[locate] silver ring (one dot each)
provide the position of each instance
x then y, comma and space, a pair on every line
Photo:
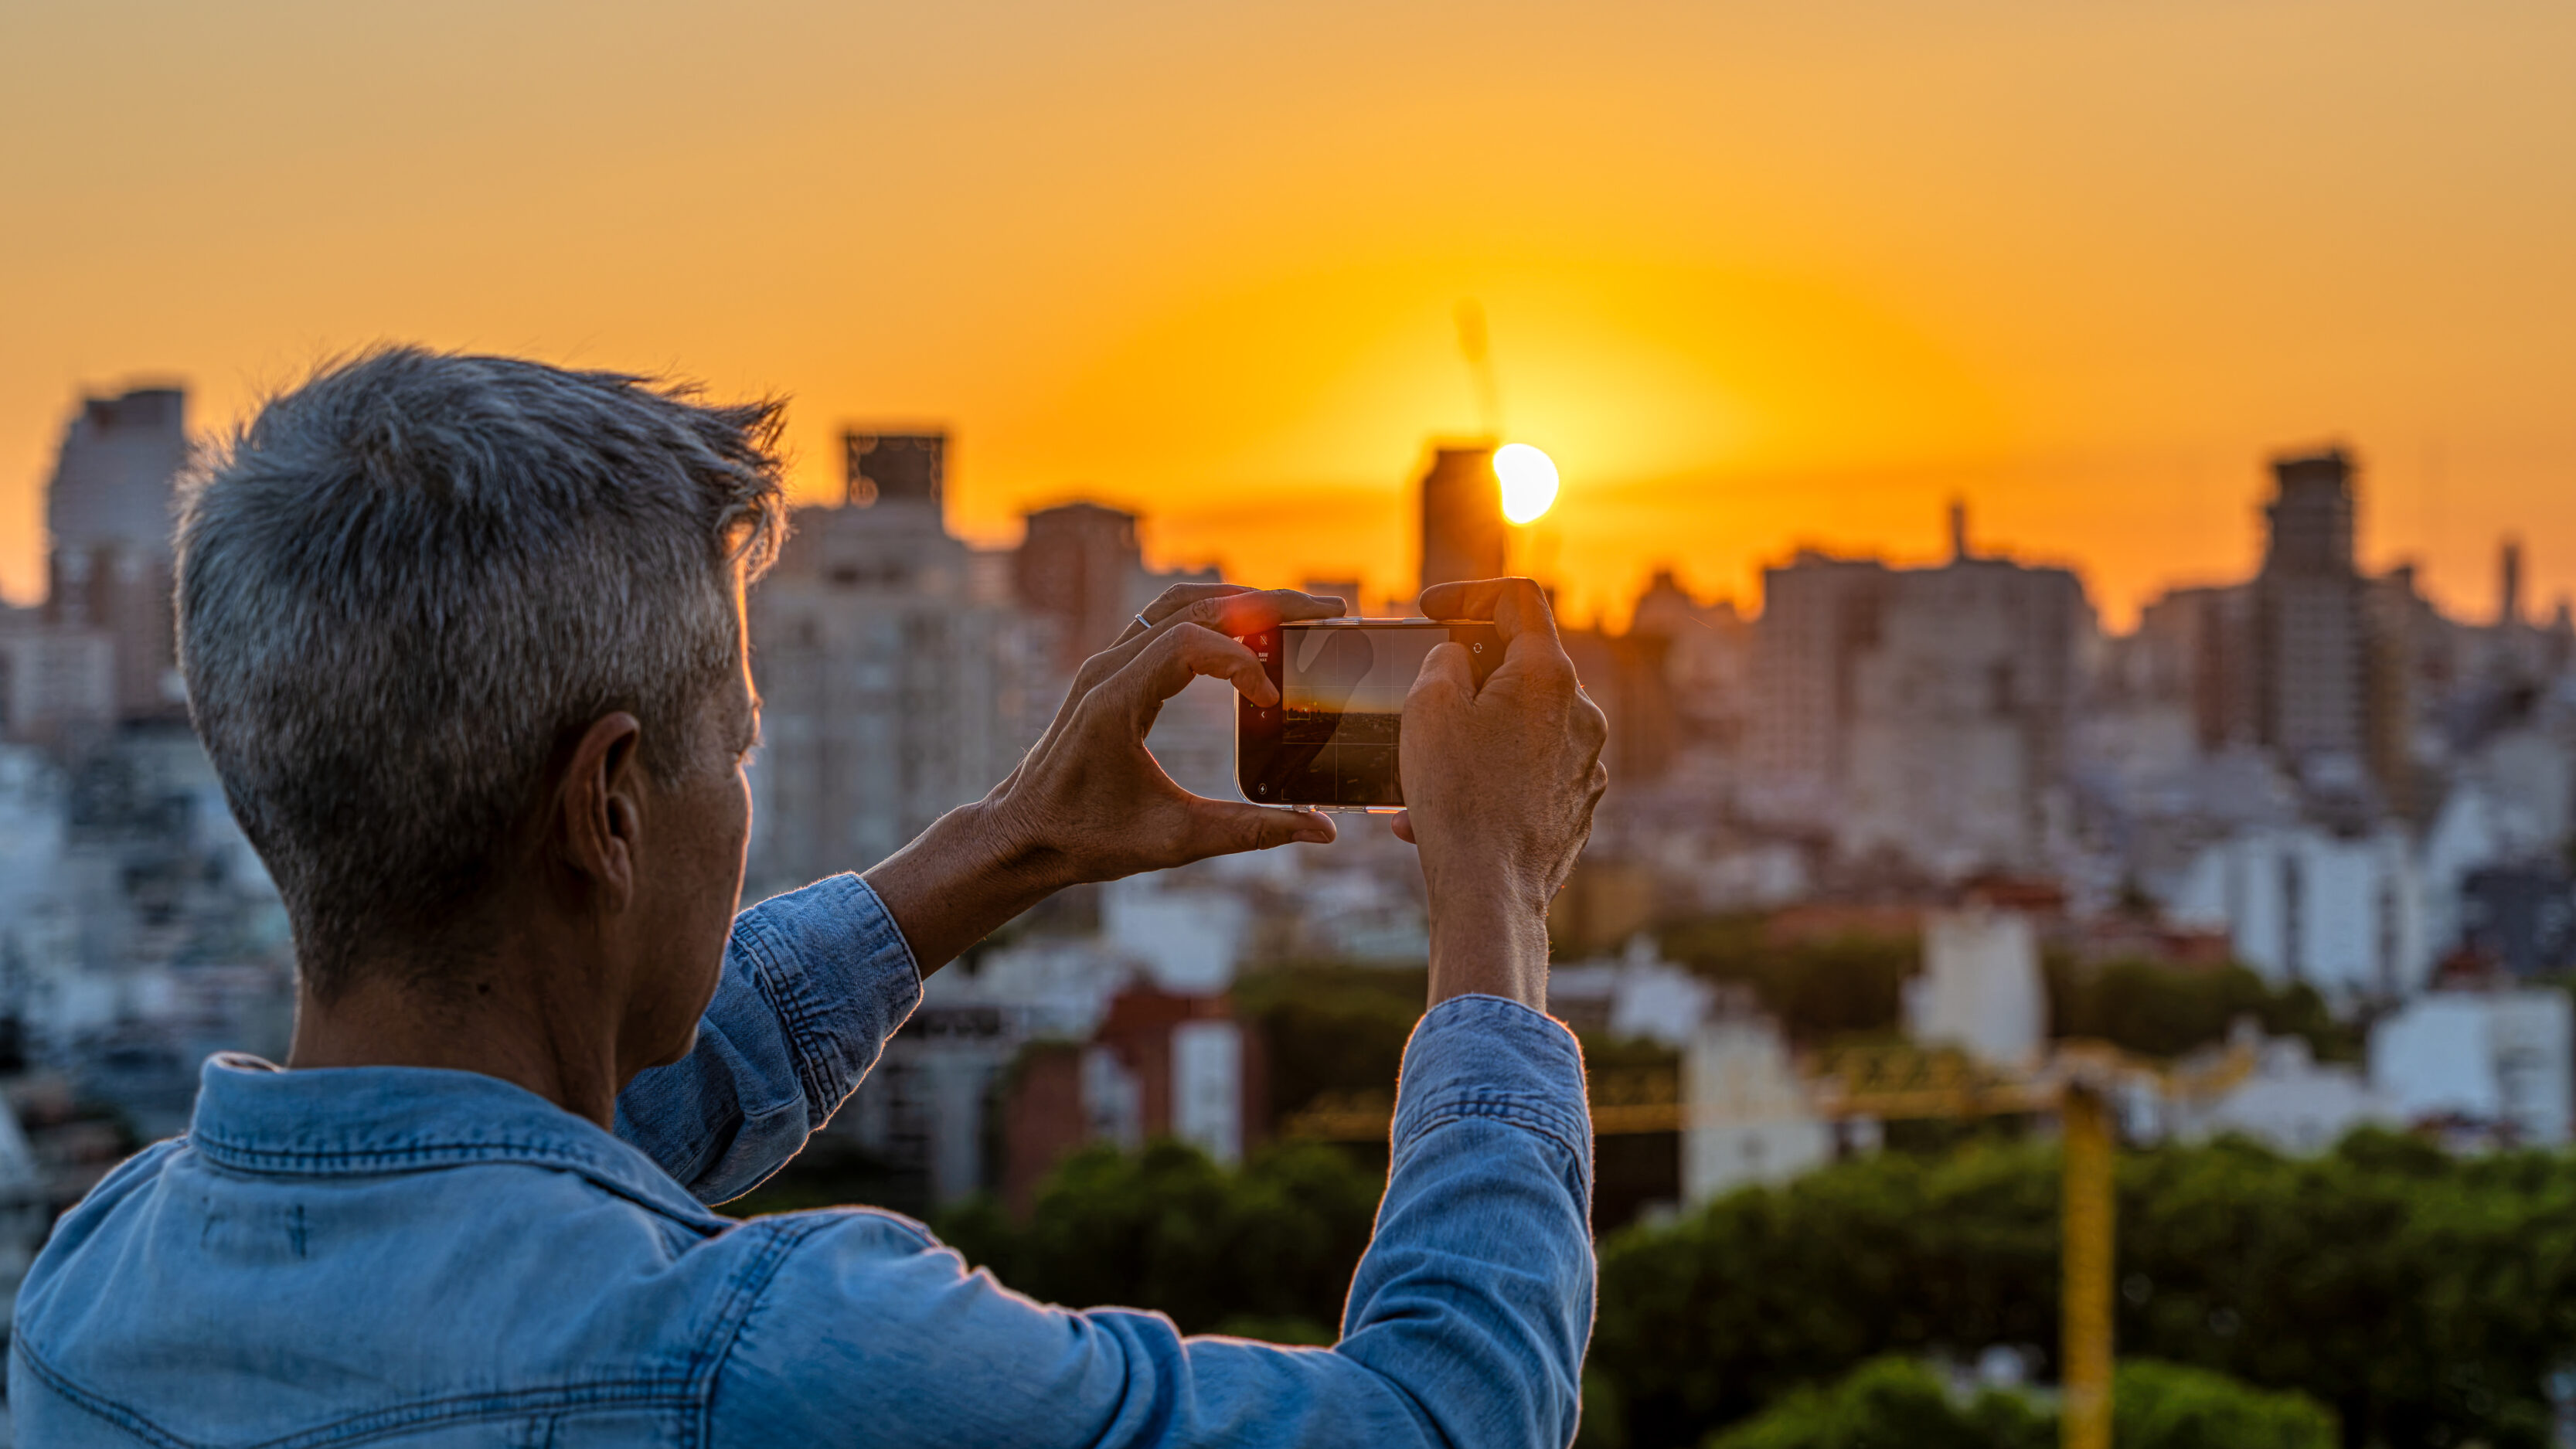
1144, 623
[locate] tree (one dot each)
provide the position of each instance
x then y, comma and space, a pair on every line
2166, 1406
1331, 1028
1854, 985
1843, 986
1894, 1403
1766, 1291
2419, 1297
1897, 1403
2158, 1010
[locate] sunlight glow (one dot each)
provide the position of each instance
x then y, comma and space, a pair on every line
1529, 481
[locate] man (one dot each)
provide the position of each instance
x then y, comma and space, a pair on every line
464, 638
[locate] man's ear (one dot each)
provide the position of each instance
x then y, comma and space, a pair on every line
599, 819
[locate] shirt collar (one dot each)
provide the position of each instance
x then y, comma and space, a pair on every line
253, 1116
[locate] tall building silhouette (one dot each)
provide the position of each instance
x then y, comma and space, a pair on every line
2309, 642
109, 511
1463, 533
894, 468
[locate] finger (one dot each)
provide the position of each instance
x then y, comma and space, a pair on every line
1445, 670
1240, 614
1591, 726
1171, 601
1520, 614
1225, 827
1222, 605
1176, 656
1402, 825
1516, 606
1235, 613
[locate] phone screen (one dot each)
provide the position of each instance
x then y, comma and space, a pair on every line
1331, 740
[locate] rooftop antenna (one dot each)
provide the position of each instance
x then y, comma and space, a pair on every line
1475, 347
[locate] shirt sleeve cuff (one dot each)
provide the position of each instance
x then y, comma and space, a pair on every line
1484, 1056
833, 965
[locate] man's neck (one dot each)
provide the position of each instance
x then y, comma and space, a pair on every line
522, 1018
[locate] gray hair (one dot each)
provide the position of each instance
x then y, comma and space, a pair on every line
410, 582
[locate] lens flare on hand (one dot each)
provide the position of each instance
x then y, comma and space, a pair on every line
1529, 481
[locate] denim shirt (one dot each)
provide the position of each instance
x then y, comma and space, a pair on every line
406, 1255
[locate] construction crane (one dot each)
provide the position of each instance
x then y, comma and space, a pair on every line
1475, 348
1901, 1083
2084, 1347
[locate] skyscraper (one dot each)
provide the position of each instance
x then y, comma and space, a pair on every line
2308, 645
1463, 533
109, 511
2397, 622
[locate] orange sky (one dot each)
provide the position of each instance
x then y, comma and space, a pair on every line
1755, 274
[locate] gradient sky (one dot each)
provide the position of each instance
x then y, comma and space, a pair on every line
1755, 275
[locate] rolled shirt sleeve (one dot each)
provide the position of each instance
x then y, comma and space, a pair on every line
814, 983
1466, 1323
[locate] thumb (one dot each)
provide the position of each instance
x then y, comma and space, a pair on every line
1444, 670
1227, 827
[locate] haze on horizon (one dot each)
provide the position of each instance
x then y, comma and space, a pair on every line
1755, 276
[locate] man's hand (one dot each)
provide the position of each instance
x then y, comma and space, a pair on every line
1089, 802
1499, 785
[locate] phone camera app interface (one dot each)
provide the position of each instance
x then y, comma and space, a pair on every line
1331, 739
1342, 697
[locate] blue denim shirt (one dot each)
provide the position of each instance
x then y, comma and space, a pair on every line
394, 1254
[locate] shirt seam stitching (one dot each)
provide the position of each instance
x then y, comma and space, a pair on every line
717, 1351
656, 1392
1545, 1123
886, 922
786, 997
604, 1176
787, 1005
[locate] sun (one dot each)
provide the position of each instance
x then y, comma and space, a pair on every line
1529, 481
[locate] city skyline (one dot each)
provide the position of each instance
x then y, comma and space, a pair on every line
1753, 279
1598, 603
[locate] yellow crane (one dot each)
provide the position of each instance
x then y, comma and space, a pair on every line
1890, 1083
2084, 1350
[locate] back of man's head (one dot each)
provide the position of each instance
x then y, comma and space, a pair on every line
408, 583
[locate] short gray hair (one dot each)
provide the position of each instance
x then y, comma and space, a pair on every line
410, 582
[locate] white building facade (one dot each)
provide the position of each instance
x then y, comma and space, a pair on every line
897, 681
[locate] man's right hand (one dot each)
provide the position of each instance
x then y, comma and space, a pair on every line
1499, 786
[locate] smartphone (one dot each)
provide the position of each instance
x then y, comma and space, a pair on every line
1330, 742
